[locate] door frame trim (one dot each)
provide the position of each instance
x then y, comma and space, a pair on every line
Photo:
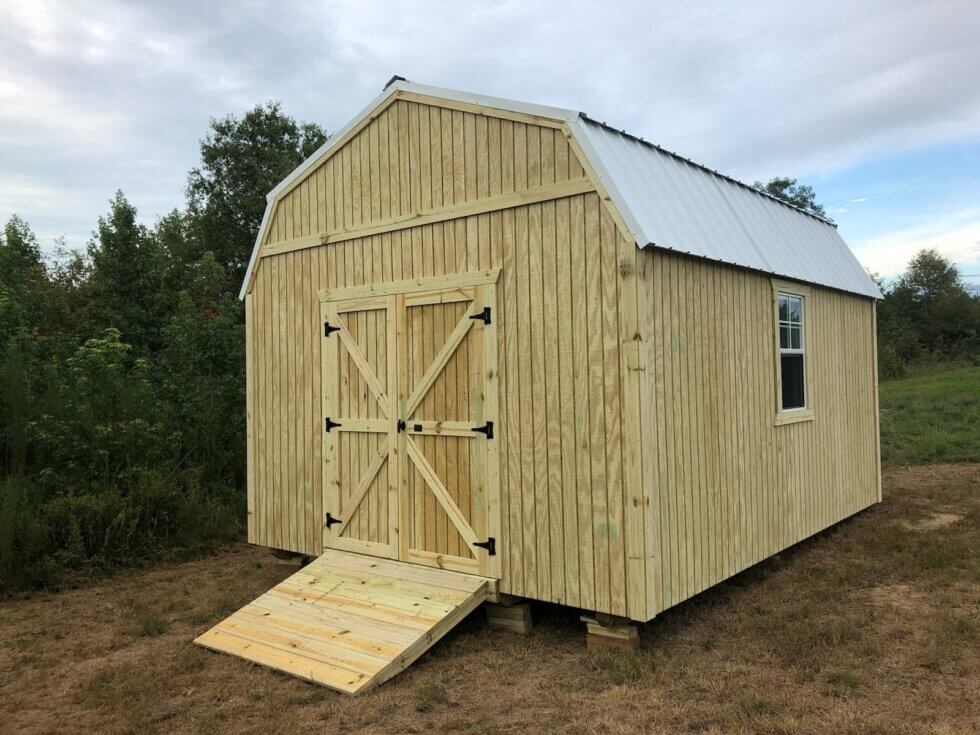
414, 285
379, 296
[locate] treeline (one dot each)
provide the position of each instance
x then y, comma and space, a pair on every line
927, 319
122, 369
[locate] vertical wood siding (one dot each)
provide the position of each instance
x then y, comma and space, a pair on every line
566, 501
639, 463
727, 487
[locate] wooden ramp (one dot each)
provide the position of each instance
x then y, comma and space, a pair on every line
348, 621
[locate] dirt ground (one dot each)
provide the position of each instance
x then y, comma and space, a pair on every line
870, 627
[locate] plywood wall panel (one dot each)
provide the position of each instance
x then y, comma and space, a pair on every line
562, 424
413, 157
730, 487
639, 463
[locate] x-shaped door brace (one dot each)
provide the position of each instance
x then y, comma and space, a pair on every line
439, 362
440, 491
423, 466
367, 479
374, 385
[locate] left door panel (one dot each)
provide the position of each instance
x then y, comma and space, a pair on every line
360, 473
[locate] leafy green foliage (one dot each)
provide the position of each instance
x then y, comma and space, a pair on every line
799, 195
23, 280
241, 160
122, 385
124, 283
927, 317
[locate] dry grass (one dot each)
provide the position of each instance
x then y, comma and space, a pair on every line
870, 627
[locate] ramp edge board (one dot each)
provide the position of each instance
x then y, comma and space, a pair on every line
349, 621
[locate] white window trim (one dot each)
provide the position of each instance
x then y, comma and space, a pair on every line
783, 416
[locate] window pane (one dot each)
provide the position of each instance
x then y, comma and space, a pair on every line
796, 334
791, 367
795, 310
783, 309
784, 337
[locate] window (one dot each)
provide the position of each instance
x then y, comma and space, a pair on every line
790, 317
792, 358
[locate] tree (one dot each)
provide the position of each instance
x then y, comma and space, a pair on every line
24, 304
789, 191
931, 299
23, 280
242, 159
201, 373
124, 285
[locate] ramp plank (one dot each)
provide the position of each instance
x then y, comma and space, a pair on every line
347, 621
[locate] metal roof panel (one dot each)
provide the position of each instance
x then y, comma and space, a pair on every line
669, 201
679, 205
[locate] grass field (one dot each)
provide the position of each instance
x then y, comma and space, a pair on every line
870, 627
932, 418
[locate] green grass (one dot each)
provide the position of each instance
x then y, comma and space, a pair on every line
931, 418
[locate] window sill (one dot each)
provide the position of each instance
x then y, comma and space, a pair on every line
792, 417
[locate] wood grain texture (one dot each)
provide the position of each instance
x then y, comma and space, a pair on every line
637, 456
729, 486
548, 523
347, 622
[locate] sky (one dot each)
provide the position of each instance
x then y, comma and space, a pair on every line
874, 104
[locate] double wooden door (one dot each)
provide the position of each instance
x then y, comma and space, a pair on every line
410, 466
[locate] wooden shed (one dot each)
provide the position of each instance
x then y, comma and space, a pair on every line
500, 349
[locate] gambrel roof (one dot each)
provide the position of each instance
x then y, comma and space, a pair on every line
665, 201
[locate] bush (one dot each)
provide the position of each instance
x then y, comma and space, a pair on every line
104, 527
107, 466
24, 536
122, 370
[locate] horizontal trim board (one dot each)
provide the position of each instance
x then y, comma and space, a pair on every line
441, 214
453, 564
415, 285
371, 426
792, 416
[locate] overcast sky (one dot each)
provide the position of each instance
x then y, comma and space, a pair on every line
876, 105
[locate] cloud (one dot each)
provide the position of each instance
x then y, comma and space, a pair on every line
956, 235
101, 94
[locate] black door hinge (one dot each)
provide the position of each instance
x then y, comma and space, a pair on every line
329, 329
328, 424
487, 429
400, 425
331, 520
483, 316
490, 545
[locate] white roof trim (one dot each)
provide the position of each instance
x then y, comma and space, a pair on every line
847, 279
